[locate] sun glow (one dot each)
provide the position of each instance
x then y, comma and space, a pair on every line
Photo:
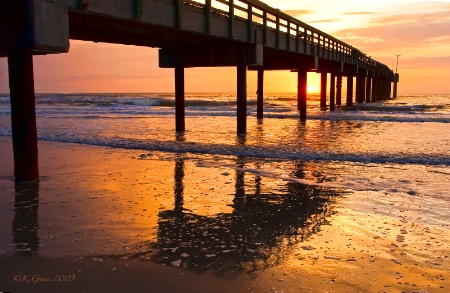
311, 89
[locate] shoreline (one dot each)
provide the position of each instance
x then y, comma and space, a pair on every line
103, 214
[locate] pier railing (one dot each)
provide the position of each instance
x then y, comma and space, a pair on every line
248, 21
284, 32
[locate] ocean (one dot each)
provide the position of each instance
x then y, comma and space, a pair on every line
410, 130
248, 204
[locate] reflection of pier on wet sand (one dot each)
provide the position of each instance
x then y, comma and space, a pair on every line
257, 234
257, 223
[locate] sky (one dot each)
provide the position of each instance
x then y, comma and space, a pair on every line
417, 31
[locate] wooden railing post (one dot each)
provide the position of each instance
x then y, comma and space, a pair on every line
231, 19
288, 36
305, 40
264, 27
208, 8
178, 13
250, 23
137, 9
277, 32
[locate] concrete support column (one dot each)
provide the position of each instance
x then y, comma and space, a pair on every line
380, 89
368, 89
388, 89
323, 91
394, 95
241, 99
332, 90
339, 89
179, 99
374, 89
260, 94
23, 116
302, 77
360, 89
349, 90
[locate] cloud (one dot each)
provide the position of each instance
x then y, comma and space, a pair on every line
435, 17
295, 13
441, 39
431, 63
95, 78
360, 13
402, 33
359, 39
325, 20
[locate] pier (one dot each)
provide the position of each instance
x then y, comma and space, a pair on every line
245, 34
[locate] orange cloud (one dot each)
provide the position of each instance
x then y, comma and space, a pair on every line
325, 20
360, 13
295, 13
400, 32
442, 39
413, 18
425, 62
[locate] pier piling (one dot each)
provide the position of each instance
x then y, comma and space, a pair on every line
332, 90
260, 94
179, 99
374, 89
360, 89
368, 89
396, 80
388, 88
302, 77
23, 116
349, 90
339, 89
241, 99
323, 91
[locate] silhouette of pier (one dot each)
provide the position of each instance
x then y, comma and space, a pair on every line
246, 34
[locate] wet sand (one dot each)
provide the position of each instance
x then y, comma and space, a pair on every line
110, 220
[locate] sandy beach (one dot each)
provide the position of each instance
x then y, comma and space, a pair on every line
64, 256
114, 220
